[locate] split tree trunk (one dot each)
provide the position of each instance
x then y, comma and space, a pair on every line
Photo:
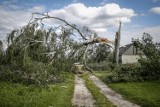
117, 45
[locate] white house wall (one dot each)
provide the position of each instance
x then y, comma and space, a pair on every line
132, 51
130, 59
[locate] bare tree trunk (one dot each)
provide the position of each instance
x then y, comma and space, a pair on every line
117, 45
84, 60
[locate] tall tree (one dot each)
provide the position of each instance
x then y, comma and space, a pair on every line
149, 65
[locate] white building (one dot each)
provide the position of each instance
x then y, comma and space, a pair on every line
129, 54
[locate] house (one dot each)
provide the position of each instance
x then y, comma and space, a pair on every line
129, 54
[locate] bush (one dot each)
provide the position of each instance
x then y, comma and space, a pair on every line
150, 69
63, 65
125, 73
36, 73
150, 66
147, 69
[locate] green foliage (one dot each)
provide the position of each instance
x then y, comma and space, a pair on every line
128, 72
103, 66
124, 73
2, 54
63, 65
149, 66
35, 73
1, 46
42, 45
121, 73
36, 56
104, 75
100, 53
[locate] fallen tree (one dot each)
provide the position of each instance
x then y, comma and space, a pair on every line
36, 53
87, 39
35, 41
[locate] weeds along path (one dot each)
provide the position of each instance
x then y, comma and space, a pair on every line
115, 98
82, 97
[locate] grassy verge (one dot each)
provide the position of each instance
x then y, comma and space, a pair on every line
19, 95
101, 100
102, 74
145, 94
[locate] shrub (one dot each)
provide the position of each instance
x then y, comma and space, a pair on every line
147, 69
36, 73
150, 66
125, 73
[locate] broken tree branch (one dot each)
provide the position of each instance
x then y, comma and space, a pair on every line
52, 17
117, 45
86, 42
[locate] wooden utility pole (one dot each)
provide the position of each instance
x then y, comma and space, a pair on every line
117, 45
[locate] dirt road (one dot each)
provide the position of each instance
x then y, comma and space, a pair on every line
82, 97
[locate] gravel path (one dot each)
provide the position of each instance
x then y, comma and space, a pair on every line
82, 97
115, 98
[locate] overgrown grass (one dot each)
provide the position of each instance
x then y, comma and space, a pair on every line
146, 94
55, 95
103, 66
102, 74
122, 73
101, 100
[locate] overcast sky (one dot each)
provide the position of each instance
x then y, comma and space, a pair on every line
102, 16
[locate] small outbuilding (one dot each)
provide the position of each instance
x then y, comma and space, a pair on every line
129, 54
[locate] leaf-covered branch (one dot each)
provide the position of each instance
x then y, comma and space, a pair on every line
45, 44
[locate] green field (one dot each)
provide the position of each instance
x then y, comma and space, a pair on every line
55, 95
146, 94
